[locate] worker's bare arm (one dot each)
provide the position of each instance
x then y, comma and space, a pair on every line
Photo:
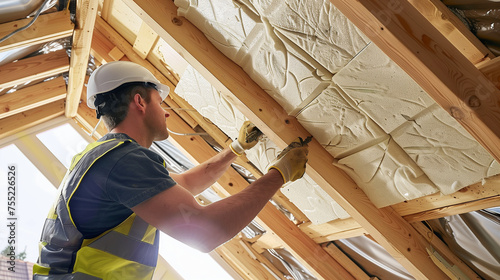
177, 213
202, 176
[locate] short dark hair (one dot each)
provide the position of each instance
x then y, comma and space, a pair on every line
113, 105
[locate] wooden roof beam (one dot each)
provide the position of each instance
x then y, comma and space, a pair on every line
491, 69
46, 28
42, 158
455, 83
86, 12
453, 29
390, 230
123, 45
19, 122
474, 197
145, 40
31, 97
239, 256
336, 253
33, 68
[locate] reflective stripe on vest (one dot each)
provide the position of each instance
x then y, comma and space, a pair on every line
127, 251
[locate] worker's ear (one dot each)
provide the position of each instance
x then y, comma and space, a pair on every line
139, 102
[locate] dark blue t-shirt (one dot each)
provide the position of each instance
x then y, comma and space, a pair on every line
116, 182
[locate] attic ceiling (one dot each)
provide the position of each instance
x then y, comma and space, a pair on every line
421, 37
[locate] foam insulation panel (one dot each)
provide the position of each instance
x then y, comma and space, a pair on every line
381, 127
318, 207
316, 27
224, 23
338, 126
386, 174
209, 102
244, 38
313, 201
444, 150
382, 89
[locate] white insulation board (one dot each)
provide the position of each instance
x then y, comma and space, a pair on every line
387, 174
380, 126
382, 89
444, 150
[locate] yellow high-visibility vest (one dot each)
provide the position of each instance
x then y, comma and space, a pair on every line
127, 251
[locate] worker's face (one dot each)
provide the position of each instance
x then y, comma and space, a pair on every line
156, 117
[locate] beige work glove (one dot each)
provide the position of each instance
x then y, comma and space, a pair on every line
291, 162
249, 137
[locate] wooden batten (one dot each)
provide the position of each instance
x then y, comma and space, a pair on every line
46, 28
123, 45
31, 97
240, 257
453, 29
33, 68
491, 70
475, 197
333, 230
346, 262
101, 48
146, 38
42, 158
19, 122
86, 13
445, 252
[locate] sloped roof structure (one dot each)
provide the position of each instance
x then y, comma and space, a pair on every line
400, 98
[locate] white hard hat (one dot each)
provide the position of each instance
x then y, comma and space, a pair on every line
114, 74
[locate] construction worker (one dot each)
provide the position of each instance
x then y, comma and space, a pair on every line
117, 192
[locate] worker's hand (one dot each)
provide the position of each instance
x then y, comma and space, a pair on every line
291, 162
249, 137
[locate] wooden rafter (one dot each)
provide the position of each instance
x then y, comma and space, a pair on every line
42, 158
86, 13
146, 38
32, 97
19, 122
240, 257
46, 28
336, 253
411, 41
453, 29
33, 68
389, 229
475, 197
333, 230
491, 69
